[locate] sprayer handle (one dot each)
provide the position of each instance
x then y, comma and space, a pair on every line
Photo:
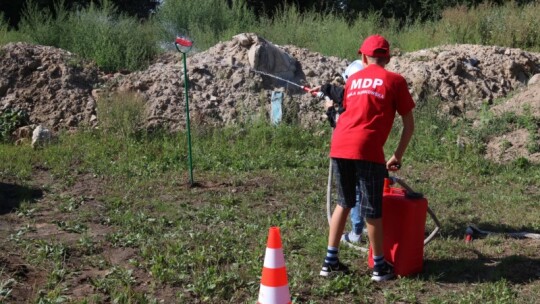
318, 94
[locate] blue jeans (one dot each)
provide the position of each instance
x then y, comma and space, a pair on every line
357, 220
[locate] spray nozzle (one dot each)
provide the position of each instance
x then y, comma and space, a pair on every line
183, 44
318, 94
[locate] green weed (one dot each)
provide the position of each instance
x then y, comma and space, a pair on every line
70, 226
86, 245
10, 120
71, 203
51, 251
532, 125
26, 210
7, 35
6, 288
52, 296
119, 284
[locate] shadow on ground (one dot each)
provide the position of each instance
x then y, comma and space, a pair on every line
12, 195
515, 269
457, 228
480, 267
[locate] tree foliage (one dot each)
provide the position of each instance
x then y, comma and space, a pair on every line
402, 10
14, 9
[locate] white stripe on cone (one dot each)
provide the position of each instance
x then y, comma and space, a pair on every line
274, 295
274, 258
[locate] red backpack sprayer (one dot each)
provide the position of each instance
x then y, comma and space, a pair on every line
404, 219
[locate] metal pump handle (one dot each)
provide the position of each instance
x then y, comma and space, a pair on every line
413, 194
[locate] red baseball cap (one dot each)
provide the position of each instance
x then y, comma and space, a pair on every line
375, 46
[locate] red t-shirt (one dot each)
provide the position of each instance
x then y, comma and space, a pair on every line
371, 98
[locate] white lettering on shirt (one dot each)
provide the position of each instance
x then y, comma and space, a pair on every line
366, 83
366, 92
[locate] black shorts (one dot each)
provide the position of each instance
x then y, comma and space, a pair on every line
368, 176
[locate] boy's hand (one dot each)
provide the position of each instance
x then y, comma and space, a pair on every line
393, 164
315, 89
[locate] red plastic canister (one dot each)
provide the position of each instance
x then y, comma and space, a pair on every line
404, 222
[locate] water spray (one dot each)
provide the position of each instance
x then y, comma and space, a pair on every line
304, 88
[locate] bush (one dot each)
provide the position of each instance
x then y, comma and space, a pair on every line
10, 120
505, 25
113, 41
121, 114
207, 21
7, 35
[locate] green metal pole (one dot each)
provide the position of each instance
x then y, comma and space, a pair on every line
190, 162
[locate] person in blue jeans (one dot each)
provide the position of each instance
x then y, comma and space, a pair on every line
357, 222
336, 94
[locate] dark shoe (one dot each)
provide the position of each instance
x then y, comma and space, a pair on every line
383, 272
331, 269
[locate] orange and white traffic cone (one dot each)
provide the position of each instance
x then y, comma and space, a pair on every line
274, 283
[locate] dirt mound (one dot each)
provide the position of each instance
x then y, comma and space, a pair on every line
513, 145
52, 85
466, 76
227, 84
55, 87
469, 77
223, 87
521, 142
522, 101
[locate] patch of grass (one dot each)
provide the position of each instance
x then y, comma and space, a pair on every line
87, 246
46, 251
206, 243
532, 124
119, 285
121, 115
497, 292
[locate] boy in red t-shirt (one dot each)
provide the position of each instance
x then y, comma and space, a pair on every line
371, 99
